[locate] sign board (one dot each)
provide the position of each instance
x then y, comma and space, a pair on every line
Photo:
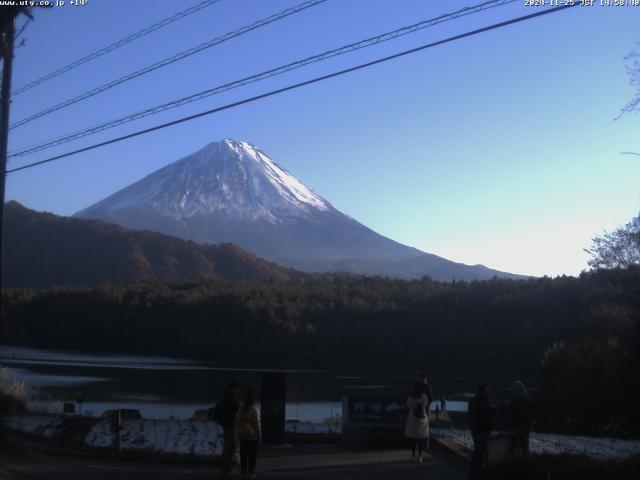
377, 410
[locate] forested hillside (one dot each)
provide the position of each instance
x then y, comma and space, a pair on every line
42, 250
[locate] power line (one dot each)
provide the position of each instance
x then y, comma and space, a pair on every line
259, 76
296, 86
169, 60
115, 45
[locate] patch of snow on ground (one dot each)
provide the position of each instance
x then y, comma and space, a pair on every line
554, 444
312, 427
44, 426
184, 437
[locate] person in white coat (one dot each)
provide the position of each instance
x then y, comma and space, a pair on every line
417, 427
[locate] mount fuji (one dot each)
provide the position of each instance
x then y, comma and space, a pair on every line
231, 191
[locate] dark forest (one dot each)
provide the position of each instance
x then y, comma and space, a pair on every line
580, 336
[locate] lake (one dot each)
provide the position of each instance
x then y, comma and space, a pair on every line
168, 387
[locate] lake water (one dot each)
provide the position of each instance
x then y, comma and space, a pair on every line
168, 387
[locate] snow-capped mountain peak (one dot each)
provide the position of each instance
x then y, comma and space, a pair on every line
232, 178
287, 184
230, 191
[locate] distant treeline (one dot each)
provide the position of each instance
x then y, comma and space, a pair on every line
582, 334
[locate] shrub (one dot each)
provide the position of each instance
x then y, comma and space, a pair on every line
14, 394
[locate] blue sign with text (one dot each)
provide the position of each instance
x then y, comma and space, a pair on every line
377, 410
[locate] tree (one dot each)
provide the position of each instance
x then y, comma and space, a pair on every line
618, 249
632, 65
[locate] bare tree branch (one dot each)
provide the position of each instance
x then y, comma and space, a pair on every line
618, 249
632, 65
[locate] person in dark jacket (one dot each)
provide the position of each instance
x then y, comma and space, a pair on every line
225, 414
481, 417
423, 387
521, 408
249, 433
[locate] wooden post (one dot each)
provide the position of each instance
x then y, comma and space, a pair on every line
273, 405
119, 431
5, 103
116, 428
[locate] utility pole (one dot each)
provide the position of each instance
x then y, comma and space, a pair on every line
5, 103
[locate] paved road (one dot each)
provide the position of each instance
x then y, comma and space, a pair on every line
312, 462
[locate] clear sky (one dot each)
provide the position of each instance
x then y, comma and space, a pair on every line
500, 149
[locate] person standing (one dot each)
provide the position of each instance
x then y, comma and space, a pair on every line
424, 387
225, 415
417, 427
249, 433
443, 404
481, 417
521, 407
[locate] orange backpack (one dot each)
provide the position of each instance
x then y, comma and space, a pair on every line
244, 426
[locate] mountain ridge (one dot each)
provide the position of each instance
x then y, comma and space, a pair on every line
233, 192
43, 249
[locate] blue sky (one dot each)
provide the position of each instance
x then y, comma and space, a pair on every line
499, 149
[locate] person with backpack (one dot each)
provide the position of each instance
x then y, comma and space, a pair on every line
224, 414
249, 433
417, 427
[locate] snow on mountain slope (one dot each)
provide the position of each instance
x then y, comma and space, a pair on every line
228, 176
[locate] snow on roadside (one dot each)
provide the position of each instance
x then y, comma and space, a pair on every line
602, 448
325, 428
184, 437
204, 438
44, 426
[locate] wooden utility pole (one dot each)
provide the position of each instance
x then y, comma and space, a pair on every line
5, 103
